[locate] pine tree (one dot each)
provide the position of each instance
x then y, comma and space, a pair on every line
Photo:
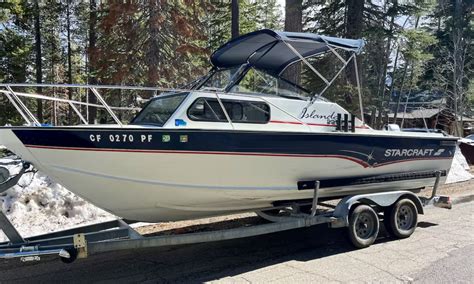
166, 43
15, 53
268, 15
451, 70
92, 59
378, 22
38, 58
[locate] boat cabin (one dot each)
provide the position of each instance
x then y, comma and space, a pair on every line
245, 89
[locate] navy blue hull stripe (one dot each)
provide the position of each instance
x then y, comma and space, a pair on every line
403, 176
365, 150
360, 162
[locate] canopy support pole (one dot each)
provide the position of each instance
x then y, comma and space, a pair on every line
336, 53
334, 78
359, 90
306, 62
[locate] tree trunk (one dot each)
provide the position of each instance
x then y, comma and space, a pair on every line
411, 83
235, 31
382, 83
294, 23
355, 18
408, 96
458, 64
395, 66
294, 16
92, 59
354, 28
69, 56
53, 72
153, 53
400, 92
39, 67
412, 65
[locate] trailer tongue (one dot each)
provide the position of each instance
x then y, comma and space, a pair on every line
359, 213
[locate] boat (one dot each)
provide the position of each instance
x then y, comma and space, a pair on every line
240, 139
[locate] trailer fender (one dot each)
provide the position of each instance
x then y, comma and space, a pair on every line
382, 199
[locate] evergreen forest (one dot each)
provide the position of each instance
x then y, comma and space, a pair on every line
416, 51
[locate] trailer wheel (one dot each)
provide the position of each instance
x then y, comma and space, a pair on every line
363, 226
73, 256
401, 218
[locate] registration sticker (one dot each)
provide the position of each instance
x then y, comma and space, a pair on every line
183, 138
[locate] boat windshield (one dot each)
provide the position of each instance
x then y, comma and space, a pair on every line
220, 79
159, 110
252, 81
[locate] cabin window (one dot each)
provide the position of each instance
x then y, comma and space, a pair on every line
239, 111
159, 110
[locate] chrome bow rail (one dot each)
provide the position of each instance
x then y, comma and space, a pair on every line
13, 96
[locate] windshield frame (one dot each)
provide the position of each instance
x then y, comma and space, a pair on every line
239, 73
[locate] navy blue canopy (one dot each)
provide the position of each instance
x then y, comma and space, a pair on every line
265, 49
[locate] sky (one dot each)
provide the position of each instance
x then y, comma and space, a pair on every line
282, 5
281, 2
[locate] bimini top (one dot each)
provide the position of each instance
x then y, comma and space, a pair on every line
266, 49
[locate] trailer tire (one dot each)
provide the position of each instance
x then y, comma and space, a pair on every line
363, 226
73, 256
400, 219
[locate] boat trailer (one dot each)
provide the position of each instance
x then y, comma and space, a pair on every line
361, 214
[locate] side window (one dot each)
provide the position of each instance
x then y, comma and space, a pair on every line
254, 112
204, 109
209, 109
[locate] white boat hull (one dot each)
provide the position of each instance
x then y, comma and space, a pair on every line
168, 186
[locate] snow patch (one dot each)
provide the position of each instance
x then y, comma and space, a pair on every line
459, 168
38, 205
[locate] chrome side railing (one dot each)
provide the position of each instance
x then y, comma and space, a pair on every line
14, 97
